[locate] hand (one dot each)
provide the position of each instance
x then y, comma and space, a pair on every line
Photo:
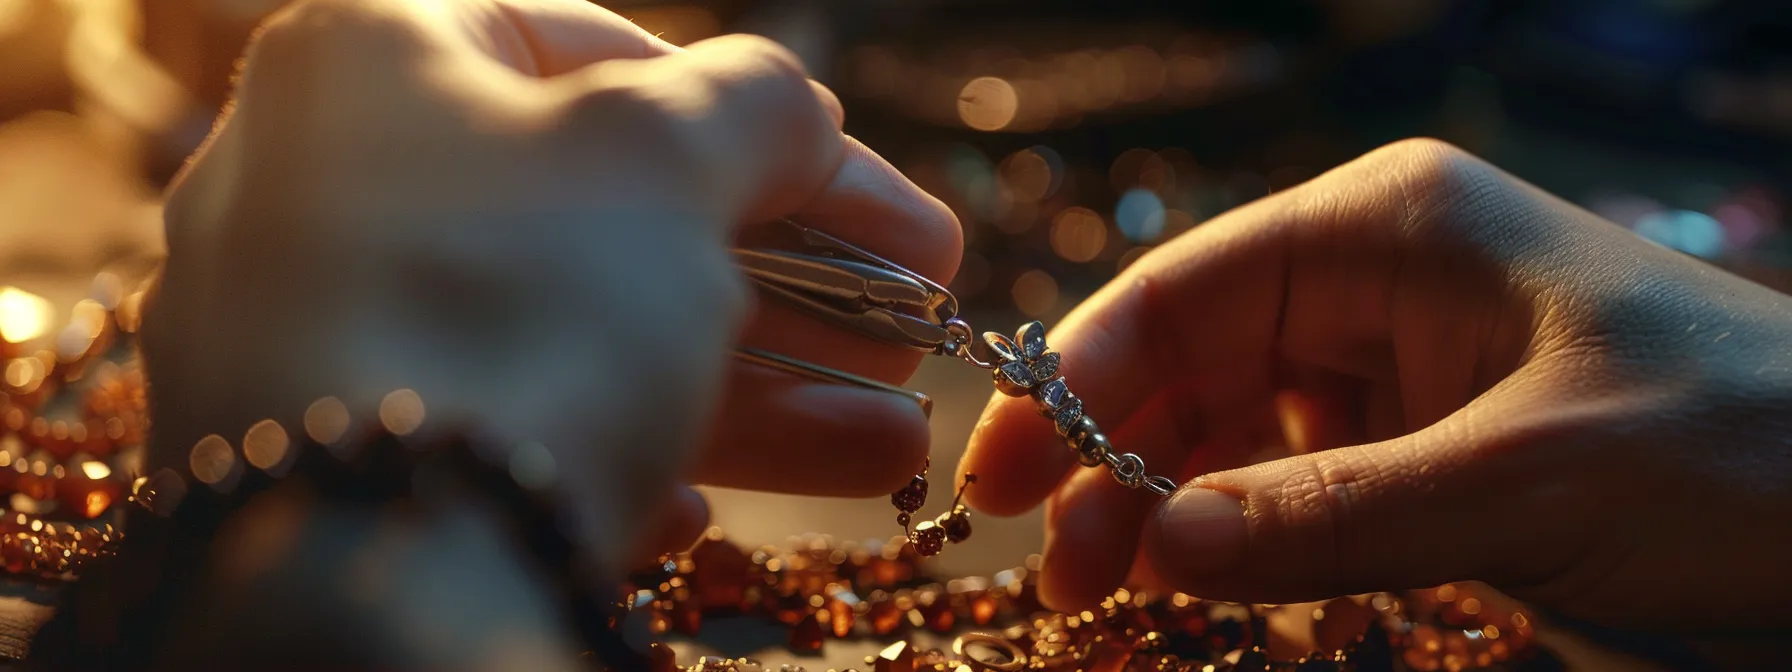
1481, 382
522, 209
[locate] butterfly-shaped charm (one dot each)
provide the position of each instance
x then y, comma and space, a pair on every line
1025, 366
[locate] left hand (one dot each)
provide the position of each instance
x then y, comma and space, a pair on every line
335, 166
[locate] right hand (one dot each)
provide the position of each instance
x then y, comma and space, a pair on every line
1487, 384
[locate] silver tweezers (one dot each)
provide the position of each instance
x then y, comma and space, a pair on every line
839, 283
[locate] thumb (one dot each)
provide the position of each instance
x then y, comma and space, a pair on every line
1468, 498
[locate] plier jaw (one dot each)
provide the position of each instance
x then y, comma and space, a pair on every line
840, 283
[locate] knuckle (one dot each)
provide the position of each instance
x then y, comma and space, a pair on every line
310, 31
1434, 188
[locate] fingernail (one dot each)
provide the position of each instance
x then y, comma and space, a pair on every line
1201, 532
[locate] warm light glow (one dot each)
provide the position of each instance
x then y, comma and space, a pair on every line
97, 503
1028, 175
24, 374
402, 412
1035, 293
987, 103
23, 315
326, 420
212, 460
95, 469
1078, 234
265, 444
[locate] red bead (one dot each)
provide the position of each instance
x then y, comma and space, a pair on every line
929, 538
911, 498
957, 524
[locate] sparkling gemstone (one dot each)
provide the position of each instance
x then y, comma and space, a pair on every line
936, 611
898, 657
1032, 340
1052, 394
983, 608
1015, 378
1067, 416
719, 574
1252, 660
886, 617
911, 497
929, 538
807, 634
1046, 367
956, 523
839, 617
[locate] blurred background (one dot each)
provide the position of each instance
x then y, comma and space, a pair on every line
1070, 137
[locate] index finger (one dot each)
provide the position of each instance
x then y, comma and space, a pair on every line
1147, 329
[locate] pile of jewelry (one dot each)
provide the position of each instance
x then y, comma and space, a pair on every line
72, 421
821, 590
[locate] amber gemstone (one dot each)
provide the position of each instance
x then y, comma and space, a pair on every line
661, 658
983, 608
839, 617
686, 617
719, 573
898, 657
886, 617
1111, 657
936, 611
807, 635
1252, 660
1339, 623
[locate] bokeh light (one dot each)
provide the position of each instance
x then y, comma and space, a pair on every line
1694, 233
1029, 175
1035, 293
1078, 234
987, 103
23, 315
1140, 215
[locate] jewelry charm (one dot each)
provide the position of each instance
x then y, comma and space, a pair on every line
930, 537
852, 288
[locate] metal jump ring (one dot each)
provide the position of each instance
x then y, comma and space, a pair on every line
1129, 470
1017, 659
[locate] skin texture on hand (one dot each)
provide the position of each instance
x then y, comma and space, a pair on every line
522, 210
1480, 381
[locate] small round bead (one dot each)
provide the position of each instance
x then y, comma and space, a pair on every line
902, 519
1079, 431
1094, 450
956, 523
929, 538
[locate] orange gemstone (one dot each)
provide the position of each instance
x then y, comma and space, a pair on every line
840, 617
898, 657
661, 658
686, 617
807, 635
936, 611
885, 616
983, 608
719, 574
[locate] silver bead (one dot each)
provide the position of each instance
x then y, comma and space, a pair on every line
1081, 430
1093, 450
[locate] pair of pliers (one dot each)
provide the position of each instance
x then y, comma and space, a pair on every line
842, 284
